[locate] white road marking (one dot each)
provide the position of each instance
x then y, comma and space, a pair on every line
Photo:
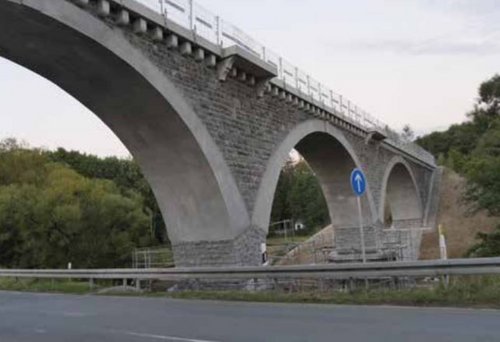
163, 337
74, 314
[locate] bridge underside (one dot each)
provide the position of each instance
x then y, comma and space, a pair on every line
211, 150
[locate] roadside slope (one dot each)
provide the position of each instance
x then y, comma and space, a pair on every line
460, 228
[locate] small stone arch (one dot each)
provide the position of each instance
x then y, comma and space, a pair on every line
400, 195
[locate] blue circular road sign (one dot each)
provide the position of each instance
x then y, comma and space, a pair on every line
358, 182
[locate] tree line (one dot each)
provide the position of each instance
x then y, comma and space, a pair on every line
51, 214
472, 149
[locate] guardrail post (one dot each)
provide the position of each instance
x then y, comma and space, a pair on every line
321, 285
91, 283
124, 282
352, 286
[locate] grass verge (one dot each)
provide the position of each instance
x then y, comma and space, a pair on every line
472, 292
44, 285
478, 292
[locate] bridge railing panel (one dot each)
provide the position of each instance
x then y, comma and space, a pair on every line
179, 11
288, 73
206, 23
314, 89
336, 100
155, 5
232, 35
302, 81
272, 58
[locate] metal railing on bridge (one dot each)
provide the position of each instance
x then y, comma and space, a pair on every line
206, 24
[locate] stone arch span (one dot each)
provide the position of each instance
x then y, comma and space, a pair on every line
98, 66
332, 159
400, 195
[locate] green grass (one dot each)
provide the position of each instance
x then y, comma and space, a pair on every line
279, 246
44, 285
475, 292
279, 241
478, 292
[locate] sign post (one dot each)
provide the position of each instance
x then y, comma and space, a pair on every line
358, 184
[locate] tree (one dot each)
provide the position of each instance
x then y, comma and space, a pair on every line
489, 96
51, 215
281, 209
408, 135
483, 172
473, 149
299, 197
488, 245
464, 137
126, 173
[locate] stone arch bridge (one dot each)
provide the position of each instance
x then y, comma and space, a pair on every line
212, 127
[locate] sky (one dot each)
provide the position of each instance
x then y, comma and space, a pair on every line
416, 62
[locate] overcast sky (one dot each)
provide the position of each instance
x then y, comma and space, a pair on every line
405, 61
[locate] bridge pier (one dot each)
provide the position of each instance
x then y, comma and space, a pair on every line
244, 250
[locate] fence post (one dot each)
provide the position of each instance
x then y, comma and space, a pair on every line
280, 70
218, 30
161, 7
297, 78
341, 104
191, 15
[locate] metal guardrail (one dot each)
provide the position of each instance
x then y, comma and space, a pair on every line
204, 23
485, 266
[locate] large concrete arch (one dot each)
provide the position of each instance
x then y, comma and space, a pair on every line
400, 193
98, 66
332, 158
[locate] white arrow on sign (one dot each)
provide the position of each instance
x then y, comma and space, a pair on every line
359, 180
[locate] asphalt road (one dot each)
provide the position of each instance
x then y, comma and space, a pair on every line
43, 317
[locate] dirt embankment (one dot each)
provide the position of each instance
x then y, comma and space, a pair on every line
460, 227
